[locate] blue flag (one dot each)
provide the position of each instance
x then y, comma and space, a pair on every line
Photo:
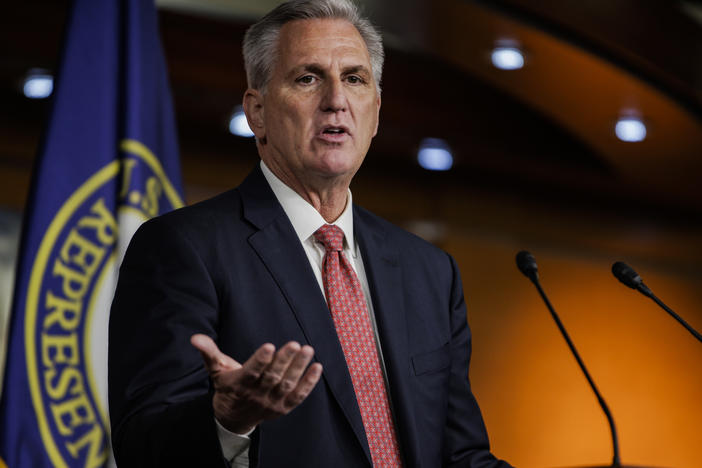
108, 162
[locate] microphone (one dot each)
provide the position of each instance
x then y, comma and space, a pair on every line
629, 277
527, 265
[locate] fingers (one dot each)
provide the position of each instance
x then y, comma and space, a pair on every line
274, 372
268, 385
304, 386
215, 360
296, 367
278, 379
256, 364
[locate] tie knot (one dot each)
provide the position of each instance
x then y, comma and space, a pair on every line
331, 236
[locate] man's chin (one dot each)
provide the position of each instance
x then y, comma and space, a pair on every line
336, 165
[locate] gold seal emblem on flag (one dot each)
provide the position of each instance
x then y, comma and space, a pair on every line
68, 300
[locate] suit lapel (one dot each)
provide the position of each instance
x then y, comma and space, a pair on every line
279, 249
381, 262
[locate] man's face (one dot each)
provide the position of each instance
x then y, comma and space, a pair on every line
320, 109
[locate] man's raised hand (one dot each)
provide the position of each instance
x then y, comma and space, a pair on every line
269, 384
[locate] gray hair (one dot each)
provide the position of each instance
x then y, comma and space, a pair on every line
261, 40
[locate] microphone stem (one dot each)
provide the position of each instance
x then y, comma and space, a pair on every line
615, 443
694, 332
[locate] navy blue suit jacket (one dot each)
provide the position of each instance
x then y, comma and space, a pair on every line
233, 268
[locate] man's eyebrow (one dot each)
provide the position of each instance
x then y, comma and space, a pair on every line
308, 67
356, 69
319, 69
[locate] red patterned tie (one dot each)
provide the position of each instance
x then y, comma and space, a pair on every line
347, 304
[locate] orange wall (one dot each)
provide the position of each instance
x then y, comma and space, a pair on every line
537, 405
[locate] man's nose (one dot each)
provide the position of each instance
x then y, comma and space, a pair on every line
334, 98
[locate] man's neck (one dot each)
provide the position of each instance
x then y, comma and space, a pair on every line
330, 203
327, 196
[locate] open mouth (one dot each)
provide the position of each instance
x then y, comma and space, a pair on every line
331, 130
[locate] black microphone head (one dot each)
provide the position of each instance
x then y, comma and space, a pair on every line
627, 275
527, 265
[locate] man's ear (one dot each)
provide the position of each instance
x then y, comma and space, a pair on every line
253, 108
377, 117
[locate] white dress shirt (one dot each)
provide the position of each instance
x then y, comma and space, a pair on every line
305, 220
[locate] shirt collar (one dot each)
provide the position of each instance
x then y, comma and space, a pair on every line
304, 217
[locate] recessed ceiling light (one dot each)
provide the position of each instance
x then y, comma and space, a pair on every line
507, 58
630, 129
238, 124
38, 84
434, 155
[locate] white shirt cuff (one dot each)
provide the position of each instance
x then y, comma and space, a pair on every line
232, 444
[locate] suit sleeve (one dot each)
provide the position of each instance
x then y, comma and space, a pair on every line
466, 441
159, 392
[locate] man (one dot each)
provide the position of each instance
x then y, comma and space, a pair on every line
283, 271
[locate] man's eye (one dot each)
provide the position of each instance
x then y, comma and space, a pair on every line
307, 79
353, 79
